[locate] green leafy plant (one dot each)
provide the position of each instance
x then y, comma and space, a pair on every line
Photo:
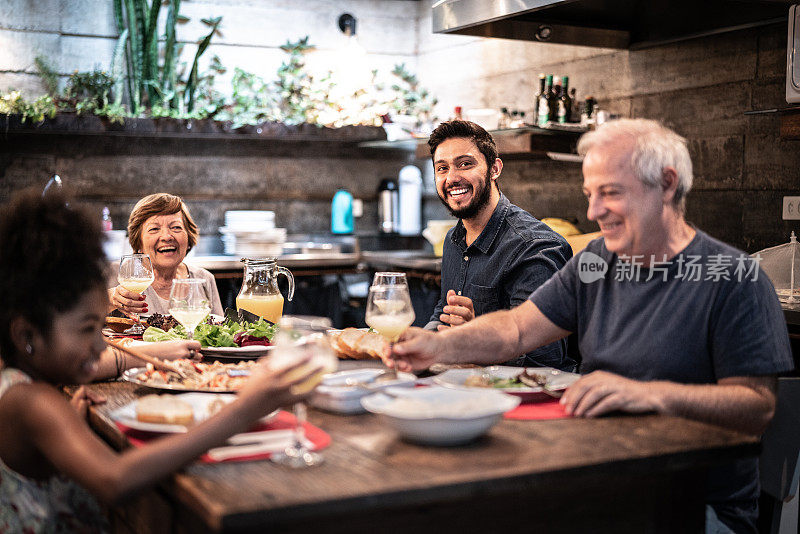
43, 107
410, 98
48, 75
298, 102
91, 90
150, 83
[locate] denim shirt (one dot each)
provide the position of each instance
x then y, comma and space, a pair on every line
514, 255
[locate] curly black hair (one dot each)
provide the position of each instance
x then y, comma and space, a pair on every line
466, 129
50, 252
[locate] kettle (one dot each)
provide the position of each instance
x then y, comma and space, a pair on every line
410, 195
388, 213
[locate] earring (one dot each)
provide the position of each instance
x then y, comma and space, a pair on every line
29, 349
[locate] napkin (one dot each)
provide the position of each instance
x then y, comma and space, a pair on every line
257, 444
549, 409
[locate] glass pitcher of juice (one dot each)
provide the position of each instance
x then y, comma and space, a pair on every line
260, 294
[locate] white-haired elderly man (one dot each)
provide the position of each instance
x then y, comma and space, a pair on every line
668, 319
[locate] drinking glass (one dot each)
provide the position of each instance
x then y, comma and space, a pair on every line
188, 302
389, 310
389, 278
135, 274
299, 337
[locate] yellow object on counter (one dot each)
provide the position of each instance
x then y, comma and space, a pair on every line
565, 228
579, 242
435, 233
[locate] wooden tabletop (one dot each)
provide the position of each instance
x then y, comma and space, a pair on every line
368, 469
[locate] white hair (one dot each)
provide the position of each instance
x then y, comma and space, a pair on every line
654, 147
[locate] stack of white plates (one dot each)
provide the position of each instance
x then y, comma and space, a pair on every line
249, 220
252, 233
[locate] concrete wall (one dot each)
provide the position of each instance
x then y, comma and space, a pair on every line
81, 34
699, 87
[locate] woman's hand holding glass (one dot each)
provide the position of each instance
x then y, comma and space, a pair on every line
134, 276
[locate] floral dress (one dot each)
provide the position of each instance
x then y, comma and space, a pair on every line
55, 505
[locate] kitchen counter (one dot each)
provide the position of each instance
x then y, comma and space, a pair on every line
418, 260
224, 262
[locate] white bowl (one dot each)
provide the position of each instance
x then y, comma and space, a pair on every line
440, 416
335, 396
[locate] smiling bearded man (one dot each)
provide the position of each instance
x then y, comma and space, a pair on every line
498, 253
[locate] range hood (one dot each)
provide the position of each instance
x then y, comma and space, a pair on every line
604, 23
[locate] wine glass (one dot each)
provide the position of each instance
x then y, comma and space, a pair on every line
136, 274
389, 278
299, 337
188, 302
389, 310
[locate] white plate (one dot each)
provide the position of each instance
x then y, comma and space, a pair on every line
132, 376
556, 380
335, 396
438, 419
199, 402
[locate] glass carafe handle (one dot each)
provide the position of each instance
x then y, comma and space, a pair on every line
288, 274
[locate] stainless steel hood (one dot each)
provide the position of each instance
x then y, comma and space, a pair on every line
604, 23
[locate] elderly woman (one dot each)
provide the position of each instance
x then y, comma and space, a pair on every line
161, 227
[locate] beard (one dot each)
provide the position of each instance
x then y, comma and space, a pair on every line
480, 199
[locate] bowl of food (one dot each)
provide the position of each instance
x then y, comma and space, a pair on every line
440, 416
342, 392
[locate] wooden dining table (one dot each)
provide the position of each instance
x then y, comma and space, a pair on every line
623, 473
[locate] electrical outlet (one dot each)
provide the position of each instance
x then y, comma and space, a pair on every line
791, 208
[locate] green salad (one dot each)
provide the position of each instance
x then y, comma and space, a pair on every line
228, 334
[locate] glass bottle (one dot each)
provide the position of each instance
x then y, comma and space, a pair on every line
544, 103
564, 102
538, 96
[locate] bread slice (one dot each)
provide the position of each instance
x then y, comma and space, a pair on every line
348, 343
164, 409
373, 345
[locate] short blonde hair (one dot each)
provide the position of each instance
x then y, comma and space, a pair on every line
158, 204
653, 147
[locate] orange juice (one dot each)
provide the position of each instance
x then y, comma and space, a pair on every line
270, 307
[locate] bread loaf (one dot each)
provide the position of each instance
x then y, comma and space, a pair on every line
358, 344
164, 409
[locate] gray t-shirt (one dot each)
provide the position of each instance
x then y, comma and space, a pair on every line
709, 313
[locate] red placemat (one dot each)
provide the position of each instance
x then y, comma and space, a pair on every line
549, 409
284, 421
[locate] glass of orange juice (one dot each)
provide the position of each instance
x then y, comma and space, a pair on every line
302, 337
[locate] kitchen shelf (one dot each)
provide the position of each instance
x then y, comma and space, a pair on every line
531, 142
71, 124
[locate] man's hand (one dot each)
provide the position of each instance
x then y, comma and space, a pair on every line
83, 398
602, 392
417, 349
459, 310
